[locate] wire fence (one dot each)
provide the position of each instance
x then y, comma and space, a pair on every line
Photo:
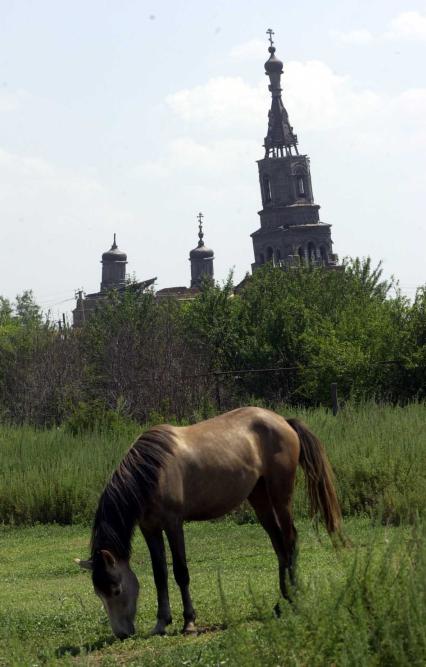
51, 388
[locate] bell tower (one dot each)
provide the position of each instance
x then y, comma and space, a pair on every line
114, 263
290, 230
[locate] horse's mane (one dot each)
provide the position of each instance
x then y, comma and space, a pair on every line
130, 491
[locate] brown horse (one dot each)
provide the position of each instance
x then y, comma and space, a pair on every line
174, 474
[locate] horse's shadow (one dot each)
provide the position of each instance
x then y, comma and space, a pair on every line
89, 647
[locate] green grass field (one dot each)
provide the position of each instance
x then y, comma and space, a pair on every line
365, 605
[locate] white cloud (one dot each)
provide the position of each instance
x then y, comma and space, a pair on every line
407, 25
361, 36
55, 219
410, 25
12, 100
26, 178
202, 160
221, 102
323, 100
318, 99
252, 50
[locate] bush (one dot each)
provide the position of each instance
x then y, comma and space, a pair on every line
90, 416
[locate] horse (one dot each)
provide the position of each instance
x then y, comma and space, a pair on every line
173, 474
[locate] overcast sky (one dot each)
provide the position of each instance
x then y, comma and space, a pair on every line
131, 116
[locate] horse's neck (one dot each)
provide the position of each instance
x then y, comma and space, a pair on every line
114, 525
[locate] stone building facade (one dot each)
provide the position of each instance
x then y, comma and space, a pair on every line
290, 232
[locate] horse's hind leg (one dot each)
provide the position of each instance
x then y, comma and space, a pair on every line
280, 490
176, 539
262, 504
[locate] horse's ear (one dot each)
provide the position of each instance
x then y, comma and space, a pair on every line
109, 559
84, 564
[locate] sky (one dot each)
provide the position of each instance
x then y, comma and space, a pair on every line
132, 116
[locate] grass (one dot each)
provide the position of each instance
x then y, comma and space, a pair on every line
377, 451
360, 606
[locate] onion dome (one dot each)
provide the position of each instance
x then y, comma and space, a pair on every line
114, 254
273, 65
201, 251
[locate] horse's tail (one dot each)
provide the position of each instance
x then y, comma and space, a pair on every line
319, 477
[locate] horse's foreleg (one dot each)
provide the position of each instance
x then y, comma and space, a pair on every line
176, 540
157, 552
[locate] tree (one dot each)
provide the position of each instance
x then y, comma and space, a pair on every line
27, 310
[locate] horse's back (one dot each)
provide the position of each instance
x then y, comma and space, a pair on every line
217, 462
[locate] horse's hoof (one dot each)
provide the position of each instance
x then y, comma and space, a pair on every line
159, 629
190, 629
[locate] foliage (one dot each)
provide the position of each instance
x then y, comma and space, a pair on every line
360, 606
94, 416
283, 336
332, 326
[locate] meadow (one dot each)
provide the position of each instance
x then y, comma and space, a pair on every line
360, 605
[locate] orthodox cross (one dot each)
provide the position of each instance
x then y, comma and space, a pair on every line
200, 227
270, 32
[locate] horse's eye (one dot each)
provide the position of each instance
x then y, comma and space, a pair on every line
116, 591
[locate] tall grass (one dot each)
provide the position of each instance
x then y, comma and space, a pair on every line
373, 616
378, 453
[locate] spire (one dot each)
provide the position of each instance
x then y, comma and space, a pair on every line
114, 243
200, 230
280, 139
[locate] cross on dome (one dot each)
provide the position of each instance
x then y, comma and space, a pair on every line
270, 32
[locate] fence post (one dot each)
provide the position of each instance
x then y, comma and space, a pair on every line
334, 400
218, 401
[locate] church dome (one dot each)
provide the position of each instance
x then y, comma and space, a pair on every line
114, 254
201, 252
273, 64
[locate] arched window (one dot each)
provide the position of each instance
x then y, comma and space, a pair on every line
278, 254
311, 252
261, 258
301, 191
266, 189
301, 254
323, 253
269, 254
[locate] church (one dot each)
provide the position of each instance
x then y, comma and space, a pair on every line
290, 233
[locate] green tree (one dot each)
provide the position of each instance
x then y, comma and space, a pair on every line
27, 310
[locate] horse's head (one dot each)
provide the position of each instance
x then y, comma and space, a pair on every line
117, 586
